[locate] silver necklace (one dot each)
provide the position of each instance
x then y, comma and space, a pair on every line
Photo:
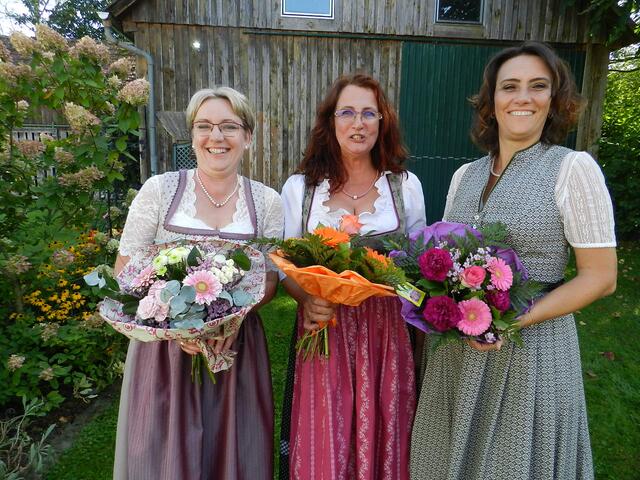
494, 173
355, 197
216, 204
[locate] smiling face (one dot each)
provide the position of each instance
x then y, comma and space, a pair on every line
522, 99
355, 136
217, 155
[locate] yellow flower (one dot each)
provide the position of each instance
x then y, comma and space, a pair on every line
62, 282
75, 287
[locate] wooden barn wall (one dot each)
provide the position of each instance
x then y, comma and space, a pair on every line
547, 20
284, 77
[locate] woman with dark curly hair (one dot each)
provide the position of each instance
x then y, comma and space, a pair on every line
352, 412
496, 411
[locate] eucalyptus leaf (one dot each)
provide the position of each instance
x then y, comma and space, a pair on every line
188, 294
173, 286
196, 323
166, 295
241, 298
94, 279
226, 296
177, 306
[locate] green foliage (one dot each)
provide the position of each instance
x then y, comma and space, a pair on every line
611, 20
71, 18
52, 192
57, 346
619, 152
20, 455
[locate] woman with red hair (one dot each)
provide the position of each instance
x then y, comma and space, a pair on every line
352, 411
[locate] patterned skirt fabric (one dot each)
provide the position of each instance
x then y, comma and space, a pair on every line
515, 414
352, 413
171, 428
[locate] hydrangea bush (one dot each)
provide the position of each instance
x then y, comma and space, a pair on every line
52, 192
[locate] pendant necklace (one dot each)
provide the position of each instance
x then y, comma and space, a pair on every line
494, 173
355, 197
216, 204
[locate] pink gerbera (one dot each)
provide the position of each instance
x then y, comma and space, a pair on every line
476, 317
501, 274
207, 286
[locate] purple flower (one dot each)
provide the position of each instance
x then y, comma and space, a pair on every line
412, 316
397, 254
499, 299
440, 231
442, 313
435, 263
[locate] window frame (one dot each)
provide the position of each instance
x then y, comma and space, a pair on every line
460, 22
321, 16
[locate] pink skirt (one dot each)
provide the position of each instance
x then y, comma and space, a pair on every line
352, 413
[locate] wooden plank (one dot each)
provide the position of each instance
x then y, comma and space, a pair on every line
548, 22
183, 89
155, 48
277, 115
168, 69
521, 20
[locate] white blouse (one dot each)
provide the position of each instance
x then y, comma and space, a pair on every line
381, 220
581, 197
144, 214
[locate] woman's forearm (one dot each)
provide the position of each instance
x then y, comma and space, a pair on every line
596, 278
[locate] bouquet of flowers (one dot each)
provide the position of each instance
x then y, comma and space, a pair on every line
329, 263
470, 285
187, 291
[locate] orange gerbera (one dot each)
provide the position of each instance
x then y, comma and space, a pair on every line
331, 236
371, 253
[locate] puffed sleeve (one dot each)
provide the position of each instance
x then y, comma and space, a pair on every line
273, 214
584, 203
414, 207
453, 188
142, 221
292, 193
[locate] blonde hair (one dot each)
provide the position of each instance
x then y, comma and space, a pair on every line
239, 104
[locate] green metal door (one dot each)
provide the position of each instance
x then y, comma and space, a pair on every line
437, 81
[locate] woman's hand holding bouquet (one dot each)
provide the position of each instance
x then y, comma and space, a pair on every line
329, 263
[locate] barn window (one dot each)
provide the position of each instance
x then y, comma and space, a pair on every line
308, 8
463, 11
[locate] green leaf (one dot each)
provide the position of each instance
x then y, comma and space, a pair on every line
241, 259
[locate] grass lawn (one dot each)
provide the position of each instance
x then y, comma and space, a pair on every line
609, 337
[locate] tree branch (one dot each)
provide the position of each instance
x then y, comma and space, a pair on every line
625, 71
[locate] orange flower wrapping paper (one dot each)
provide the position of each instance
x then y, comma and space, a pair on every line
346, 288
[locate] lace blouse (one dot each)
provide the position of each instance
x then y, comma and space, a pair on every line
581, 197
381, 220
144, 223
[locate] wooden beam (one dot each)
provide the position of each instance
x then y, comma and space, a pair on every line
593, 90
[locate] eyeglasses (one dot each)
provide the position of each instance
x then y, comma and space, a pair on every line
350, 115
228, 129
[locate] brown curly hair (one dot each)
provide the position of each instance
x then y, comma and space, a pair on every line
566, 102
323, 159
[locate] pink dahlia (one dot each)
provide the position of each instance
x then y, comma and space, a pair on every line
501, 274
442, 313
207, 286
145, 278
434, 264
476, 317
